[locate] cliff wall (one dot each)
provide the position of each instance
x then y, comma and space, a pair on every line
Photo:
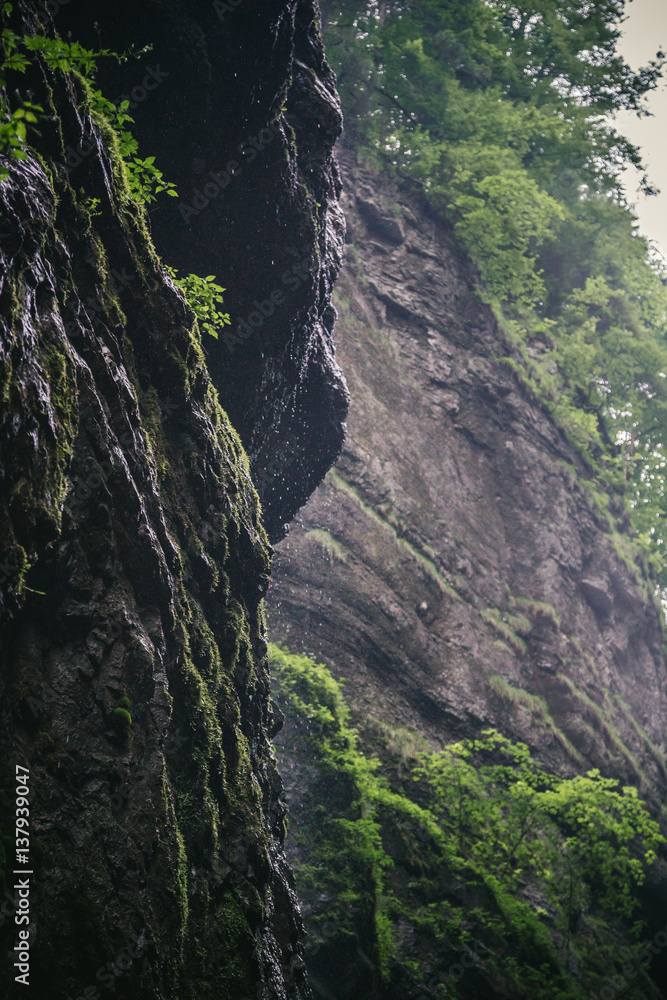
241, 112
457, 567
133, 553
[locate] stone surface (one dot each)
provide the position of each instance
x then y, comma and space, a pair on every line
243, 116
452, 567
133, 556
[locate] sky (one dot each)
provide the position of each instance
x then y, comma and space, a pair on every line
644, 32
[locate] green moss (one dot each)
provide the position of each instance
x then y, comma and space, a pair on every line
237, 965
538, 609
122, 719
656, 752
404, 743
508, 627
636, 560
326, 540
212, 769
426, 564
600, 718
537, 707
347, 858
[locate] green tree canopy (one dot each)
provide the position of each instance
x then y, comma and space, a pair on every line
505, 113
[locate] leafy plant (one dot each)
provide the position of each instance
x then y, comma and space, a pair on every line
550, 860
204, 297
587, 840
14, 132
18, 52
144, 179
347, 858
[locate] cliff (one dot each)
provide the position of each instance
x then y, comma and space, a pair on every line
134, 557
460, 571
239, 107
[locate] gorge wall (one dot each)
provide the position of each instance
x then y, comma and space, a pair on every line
241, 112
134, 556
457, 569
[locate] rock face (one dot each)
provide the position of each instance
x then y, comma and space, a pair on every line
464, 546
239, 107
456, 567
133, 556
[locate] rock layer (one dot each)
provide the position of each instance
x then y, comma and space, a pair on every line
457, 567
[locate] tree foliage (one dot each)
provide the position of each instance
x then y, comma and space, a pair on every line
587, 840
504, 112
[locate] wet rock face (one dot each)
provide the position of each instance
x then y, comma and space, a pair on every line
452, 566
239, 107
133, 558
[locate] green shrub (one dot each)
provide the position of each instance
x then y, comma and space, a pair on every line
552, 859
205, 299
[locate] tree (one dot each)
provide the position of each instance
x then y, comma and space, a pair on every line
504, 112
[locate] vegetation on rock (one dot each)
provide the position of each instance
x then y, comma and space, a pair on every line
474, 844
504, 115
145, 181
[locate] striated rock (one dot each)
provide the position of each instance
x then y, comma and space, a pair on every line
598, 596
385, 226
457, 504
453, 568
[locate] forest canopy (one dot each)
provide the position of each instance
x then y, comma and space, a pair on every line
504, 114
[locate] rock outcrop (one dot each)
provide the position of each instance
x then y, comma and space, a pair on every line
239, 107
457, 567
133, 554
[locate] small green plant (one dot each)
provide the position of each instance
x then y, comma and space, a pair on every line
144, 179
510, 627
91, 205
205, 299
13, 133
17, 52
538, 608
328, 543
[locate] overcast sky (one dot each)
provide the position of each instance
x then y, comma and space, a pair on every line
645, 31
